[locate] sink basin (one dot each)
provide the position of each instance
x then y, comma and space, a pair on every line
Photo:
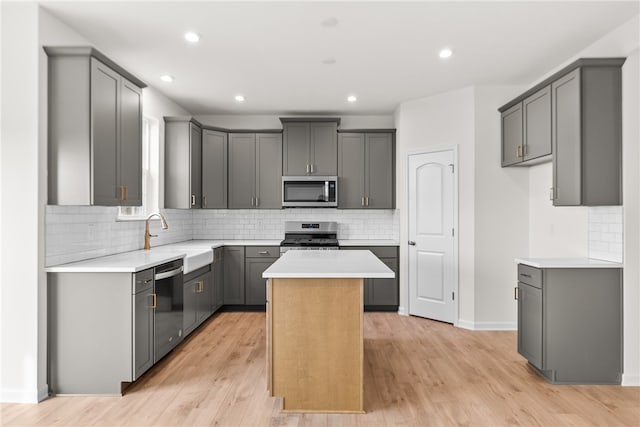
194, 258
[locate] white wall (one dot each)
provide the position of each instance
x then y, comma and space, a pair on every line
23, 346
273, 121
501, 215
445, 120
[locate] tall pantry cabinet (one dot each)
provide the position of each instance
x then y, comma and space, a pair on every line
94, 130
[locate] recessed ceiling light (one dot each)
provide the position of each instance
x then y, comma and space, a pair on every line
445, 53
191, 37
352, 98
239, 98
330, 22
166, 78
329, 61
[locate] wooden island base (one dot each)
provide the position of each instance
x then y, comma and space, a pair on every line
315, 344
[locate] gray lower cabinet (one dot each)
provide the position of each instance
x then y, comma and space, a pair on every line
182, 163
587, 137
233, 275
257, 260
214, 169
570, 323
309, 147
255, 171
143, 322
381, 294
198, 298
366, 170
95, 130
217, 272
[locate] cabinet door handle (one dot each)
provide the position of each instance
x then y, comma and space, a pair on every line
204, 201
126, 192
200, 287
412, 243
155, 301
311, 167
515, 293
121, 187
362, 202
307, 167
148, 281
367, 199
193, 200
257, 201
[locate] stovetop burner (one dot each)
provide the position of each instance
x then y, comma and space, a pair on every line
310, 234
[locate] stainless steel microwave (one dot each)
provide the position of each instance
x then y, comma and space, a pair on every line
309, 191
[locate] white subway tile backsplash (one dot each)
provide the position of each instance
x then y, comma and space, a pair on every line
606, 233
74, 233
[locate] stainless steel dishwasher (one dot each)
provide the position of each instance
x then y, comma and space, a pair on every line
168, 305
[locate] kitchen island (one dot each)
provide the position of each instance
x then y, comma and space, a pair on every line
315, 328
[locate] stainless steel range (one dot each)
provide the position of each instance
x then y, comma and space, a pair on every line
308, 235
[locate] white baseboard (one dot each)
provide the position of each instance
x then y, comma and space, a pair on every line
630, 380
487, 326
402, 311
24, 396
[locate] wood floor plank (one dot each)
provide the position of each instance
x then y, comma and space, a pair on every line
417, 372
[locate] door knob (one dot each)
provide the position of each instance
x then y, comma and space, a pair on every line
412, 243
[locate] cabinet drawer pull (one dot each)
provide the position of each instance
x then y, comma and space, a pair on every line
263, 252
526, 275
155, 301
148, 281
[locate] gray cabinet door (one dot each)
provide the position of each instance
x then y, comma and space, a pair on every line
511, 123
268, 171
130, 146
190, 306
530, 323
351, 174
234, 275
385, 291
142, 331
214, 169
255, 285
379, 163
566, 139
242, 169
218, 278
104, 137
295, 153
323, 148
205, 298
195, 165
536, 114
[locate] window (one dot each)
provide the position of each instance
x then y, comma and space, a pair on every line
150, 173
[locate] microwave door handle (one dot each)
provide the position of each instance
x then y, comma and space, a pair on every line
326, 191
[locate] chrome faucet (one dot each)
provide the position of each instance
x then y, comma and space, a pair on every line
147, 236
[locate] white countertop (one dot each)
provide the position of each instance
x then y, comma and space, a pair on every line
568, 263
328, 264
373, 242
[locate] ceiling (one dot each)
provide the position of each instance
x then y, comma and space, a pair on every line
385, 52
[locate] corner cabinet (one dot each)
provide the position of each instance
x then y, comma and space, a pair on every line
576, 116
570, 323
255, 170
182, 163
310, 146
95, 130
366, 170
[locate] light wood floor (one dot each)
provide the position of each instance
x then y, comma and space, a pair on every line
417, 372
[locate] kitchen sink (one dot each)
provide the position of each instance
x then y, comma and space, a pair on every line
194, 257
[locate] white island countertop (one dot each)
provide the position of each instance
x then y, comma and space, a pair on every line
568, 263
328, 264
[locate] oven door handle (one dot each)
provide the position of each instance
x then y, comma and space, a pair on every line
170, 273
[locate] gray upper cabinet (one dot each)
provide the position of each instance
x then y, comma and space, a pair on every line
526, 130
255, 170
182, 163
366, 170
536, 113
587, 136
511, 125
309, 146
575, 114
95, 130
214, 169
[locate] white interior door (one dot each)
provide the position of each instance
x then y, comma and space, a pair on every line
432, 261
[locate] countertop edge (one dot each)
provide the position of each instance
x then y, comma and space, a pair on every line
568, 263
